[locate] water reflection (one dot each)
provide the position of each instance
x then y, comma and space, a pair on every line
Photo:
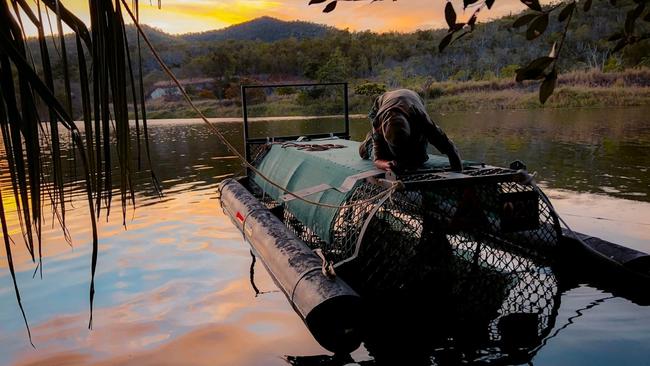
584, 150
171, 287
174, 287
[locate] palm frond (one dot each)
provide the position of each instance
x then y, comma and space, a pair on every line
33, 152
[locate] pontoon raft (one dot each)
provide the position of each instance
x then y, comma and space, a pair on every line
487, 233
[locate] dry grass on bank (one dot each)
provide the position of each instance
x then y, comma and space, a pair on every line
575, 89
564, 97
591, 79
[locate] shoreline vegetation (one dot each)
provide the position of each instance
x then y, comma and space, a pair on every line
476, 73
575, 89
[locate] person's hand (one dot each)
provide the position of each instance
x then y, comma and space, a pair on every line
385, 164
457, 168
455, 163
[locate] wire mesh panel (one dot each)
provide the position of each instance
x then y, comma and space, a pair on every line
257, 151
495, 278
492, 222
485, 245
507, 218
487, 306
348, 223
498, 318
302, 231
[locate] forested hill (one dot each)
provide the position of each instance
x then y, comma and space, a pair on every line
268, 48
492, 49
265, 29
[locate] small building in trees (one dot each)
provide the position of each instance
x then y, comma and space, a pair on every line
169, 90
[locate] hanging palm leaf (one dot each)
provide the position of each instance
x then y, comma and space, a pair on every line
31, 139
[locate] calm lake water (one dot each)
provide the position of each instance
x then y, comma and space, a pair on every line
173, 287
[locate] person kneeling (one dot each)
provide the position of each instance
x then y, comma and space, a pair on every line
401, 130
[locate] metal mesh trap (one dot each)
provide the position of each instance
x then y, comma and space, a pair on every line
481, 240
483, 218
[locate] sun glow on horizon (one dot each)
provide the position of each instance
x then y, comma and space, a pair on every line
189, 16
179, 16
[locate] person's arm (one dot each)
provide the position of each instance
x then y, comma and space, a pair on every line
382, 157
440, 141
379, 149
379, 152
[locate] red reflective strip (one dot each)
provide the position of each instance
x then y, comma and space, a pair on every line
239, 216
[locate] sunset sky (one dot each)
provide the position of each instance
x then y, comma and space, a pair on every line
182, 16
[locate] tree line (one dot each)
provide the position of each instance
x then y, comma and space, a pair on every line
494, 50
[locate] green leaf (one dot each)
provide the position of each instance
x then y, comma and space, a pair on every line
472, 21
450, 15
619, 46
457, 27
534, 70
460, 36
587, 5
615, 37
37, 84
525, 74
547, 87
540, 63
532, 4
537, 27
466, 3
445, 42
632, 16
568, 10
523, 20
71, 20
329, 7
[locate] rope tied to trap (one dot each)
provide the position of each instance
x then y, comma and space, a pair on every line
310, 147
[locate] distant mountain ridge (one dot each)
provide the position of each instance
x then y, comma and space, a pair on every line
266, 29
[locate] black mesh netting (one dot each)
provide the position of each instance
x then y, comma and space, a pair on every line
257, 151
499, 225
485, 247
493, 225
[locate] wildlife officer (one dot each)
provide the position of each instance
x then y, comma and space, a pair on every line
401, 129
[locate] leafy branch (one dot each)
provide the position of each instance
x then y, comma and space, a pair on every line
537, 22
628, 35
455, 27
